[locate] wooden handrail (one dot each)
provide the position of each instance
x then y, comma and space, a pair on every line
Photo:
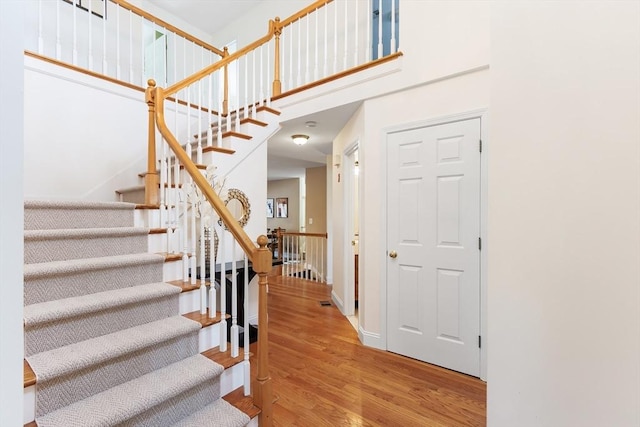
273, 26
156, 95
307, 10
221, 63
168, 26
259, 256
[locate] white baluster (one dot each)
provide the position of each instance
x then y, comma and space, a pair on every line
291, 85
203, 268
130, 47
142, 52
74, 55
208, 121
40, 38
163, 182
246, 86
184, 231
322, 259
307, 72
247, 329
356, 37
393, 27
335, 38
220, 106
261, 77
317, 48
223, 292
254, 85
105, 70
325, 72
58, 44
212, 273
237, 97
299, 81
188, 117
346, 34
234, 304
380, 47
369, 44
192, 257
269, 68
199, 152
118, 42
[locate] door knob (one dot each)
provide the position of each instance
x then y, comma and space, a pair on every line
393, 254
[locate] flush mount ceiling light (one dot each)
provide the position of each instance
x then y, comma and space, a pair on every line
300, 139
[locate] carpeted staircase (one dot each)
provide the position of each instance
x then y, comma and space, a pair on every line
103, 333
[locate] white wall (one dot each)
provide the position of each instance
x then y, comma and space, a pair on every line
85, 137
457, 95
439, 39
11, 214
79, 133
353, 131
564, 209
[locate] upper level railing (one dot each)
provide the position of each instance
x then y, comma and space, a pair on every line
114, 39
121, 42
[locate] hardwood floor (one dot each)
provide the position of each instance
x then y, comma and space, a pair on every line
323, 376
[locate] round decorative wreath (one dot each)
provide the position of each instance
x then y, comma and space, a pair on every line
235, 194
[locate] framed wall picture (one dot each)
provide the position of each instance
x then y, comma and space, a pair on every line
282, 207
269, 208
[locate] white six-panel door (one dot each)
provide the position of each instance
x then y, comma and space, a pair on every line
433, 230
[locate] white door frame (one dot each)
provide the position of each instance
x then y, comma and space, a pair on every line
483, 115
348, 297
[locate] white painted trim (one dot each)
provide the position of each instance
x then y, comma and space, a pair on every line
483, 115
29, 404
348, 272
337, 301
370, 339
209, 337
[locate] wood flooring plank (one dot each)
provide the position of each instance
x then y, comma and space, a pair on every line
325, 377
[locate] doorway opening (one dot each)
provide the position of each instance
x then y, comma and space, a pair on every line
352, 234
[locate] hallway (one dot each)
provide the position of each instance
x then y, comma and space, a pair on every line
323, 376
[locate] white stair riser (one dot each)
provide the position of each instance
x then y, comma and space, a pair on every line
29, 404
232, 378
172, 270
157, 242
149, 218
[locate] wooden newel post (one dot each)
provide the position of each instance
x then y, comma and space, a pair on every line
277, 85
262, 387
225, 100
151, 179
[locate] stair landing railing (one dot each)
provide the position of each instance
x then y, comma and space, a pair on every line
303, 255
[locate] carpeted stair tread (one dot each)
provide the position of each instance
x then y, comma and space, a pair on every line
76, 306
61, 322
66, 244
223, 412
51, 214
118, 405
64, 360
64, 279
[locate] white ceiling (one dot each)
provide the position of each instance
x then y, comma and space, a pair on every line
207, 14
285, 159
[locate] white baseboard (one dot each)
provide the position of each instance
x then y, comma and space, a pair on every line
370, 339
337, 301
